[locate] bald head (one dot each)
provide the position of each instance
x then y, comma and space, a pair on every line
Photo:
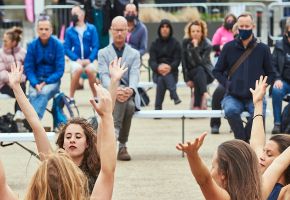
119, 30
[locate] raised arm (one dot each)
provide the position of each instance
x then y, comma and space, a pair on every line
274, 171
257, 141
5, 191
103, 188
208, 186
42, 142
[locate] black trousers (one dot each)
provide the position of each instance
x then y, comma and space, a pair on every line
6, 89
217, 98
198, 76
164, 83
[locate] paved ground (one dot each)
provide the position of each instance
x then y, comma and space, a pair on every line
157, 170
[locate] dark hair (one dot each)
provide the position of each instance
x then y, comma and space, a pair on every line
14, 34
91, 162
239, 164
200, 23
228, 16
246, 14
283, 142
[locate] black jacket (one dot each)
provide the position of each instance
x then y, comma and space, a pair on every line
193, 57
258, 63
165, 50
279, 55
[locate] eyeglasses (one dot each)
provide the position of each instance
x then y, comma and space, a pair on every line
119, 30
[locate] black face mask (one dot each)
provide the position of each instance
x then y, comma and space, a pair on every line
130, 18
229, 25
74, 19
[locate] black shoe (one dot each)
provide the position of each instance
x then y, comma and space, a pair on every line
123, 154
215, 130
177, 101
276, 129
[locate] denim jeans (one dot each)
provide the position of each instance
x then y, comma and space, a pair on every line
40, 99
233, 108
277, 98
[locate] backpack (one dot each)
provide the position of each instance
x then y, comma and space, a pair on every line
62, 109
285, 121
7, 124
144, 98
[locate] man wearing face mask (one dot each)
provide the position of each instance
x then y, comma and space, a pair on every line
258, 63
137, 36
81, 46
281, 64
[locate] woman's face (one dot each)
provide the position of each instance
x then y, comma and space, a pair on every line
7, 42
215, 174
75, 142
270, 152
195, 32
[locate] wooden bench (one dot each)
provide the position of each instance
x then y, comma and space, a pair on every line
15, 138
184, 114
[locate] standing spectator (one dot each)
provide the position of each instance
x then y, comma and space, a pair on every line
238, 97
137, 36
119, 6
81, 46
165, 57
128, 99
44, 65
11, 52
196, 63
224, 34
281, 87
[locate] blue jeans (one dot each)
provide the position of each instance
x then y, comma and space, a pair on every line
233, 108
277, 98
39, 100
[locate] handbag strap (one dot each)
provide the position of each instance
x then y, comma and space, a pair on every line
241, 59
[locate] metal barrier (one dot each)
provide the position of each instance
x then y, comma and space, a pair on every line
14, 15
276, 19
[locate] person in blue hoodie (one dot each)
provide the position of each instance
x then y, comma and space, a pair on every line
238, 96
81, 46
44, 65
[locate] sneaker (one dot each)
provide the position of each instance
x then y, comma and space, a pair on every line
276, 129
19, 116
123, 154
215, 130
177, 101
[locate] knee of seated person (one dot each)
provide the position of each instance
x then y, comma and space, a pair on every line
277, 92
231, 110
89, 70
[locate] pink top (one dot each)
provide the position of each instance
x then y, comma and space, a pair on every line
222, 36
6, 59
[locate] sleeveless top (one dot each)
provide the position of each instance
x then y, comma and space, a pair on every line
275, 192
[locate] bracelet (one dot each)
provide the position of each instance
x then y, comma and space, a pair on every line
257, 115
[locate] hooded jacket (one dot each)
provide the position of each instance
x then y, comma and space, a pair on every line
165, 50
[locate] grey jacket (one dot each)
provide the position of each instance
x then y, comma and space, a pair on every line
131, 58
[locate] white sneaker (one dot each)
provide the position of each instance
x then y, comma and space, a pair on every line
19, 116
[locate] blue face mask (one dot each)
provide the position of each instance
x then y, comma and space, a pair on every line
245, 34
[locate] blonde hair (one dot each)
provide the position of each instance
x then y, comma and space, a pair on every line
198, 22
58, 178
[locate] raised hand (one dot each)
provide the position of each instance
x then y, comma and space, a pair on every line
15, 75
104, 105
191, 148
260, 89
116, 69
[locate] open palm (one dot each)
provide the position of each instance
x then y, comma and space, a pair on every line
15, 74
191, 148
116, 69
260, 89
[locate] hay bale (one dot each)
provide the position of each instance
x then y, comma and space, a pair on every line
155, 15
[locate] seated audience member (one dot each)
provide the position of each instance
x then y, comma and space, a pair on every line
165, 57
128, 99
269, 151
223, 34
83, 147
196, 63
137, 36
281, 65
237, 75
81, 46
44, 65
11, 52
